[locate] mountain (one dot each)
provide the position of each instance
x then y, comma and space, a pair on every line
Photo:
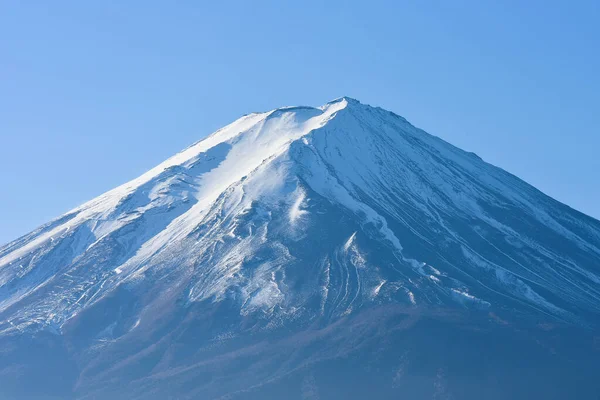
330, 252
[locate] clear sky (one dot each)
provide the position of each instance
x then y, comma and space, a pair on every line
93, 94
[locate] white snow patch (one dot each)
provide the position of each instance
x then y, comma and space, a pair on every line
377, 288
296, 212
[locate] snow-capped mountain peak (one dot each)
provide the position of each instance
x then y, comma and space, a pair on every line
406, 190
294, 217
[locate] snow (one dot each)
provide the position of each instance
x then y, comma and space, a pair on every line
377, 288
231, 217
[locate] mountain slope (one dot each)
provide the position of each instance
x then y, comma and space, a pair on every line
294, 227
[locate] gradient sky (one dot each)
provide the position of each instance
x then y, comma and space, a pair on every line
94, 94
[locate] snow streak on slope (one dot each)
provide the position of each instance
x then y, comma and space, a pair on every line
304, 213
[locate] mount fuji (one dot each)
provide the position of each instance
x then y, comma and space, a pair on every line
304, 253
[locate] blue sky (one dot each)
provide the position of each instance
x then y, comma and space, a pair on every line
94, 94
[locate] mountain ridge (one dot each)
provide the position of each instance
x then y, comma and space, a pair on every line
297, 221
